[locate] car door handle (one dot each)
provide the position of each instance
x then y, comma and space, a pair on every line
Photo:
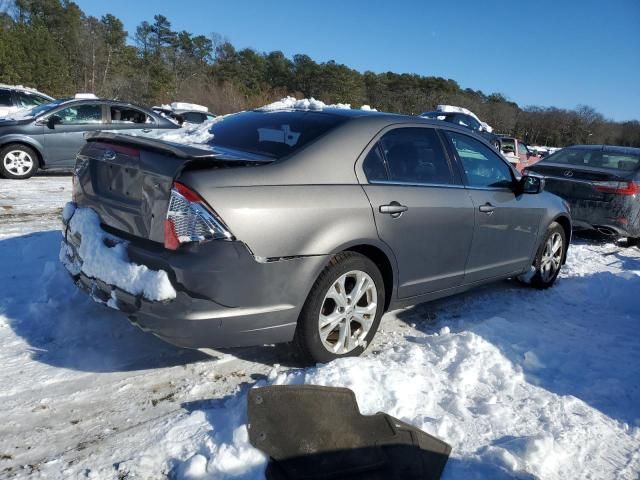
394, 209
487, 208
146, 130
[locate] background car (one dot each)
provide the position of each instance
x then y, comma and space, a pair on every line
304, 225
465, 118
50, 135
517, 152
17, 97
600, 182
185, 112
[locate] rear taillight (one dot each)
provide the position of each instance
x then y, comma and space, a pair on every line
618, 188
190, 219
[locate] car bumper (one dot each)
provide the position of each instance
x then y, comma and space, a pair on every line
224, 296
617, 218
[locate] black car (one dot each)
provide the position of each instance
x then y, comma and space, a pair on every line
50, 135
466, 121
601, 184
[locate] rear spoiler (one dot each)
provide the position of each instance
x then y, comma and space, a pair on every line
184, 152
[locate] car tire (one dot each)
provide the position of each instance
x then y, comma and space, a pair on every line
18, 162
549, 257
347, 329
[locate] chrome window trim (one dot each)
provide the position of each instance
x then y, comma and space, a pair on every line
414, 184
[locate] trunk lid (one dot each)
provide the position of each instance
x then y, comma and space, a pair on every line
580, 183
127, 180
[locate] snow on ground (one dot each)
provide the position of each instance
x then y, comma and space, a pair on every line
521, 383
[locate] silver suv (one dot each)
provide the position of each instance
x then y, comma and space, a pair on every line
302, 225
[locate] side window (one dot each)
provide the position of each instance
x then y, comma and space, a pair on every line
81, 114
415, 155
127, 115
482, 166
193, 117
373, 165
5, 98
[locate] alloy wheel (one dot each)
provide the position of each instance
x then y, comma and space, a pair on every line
347, 312
551, 257
18, 162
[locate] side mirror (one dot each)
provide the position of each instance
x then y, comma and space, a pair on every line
53, 120
531, 184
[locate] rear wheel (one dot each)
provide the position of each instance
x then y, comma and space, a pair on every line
549, 257
342, 312
18, 162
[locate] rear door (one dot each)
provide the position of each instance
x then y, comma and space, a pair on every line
421, 209
64, 140
506, 224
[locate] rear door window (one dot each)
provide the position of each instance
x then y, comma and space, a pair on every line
482, 166
124, 115
374, 166
416, 156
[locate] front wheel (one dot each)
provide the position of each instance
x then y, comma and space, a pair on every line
343, 310
18, 162
549, 258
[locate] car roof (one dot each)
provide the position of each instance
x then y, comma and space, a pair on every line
22, 88
72, 100
353, 113
609, 148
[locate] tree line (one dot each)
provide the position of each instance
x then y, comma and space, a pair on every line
54, 46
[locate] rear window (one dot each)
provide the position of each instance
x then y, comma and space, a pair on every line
273, 134
596, 159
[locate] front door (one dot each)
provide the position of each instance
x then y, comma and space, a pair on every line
506, 223
421, 209
64, 140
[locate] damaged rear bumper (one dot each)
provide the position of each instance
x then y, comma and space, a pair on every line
617, 218
224, 297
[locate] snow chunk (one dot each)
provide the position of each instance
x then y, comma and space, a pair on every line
105, 257
292, 103
189, 134
188, 106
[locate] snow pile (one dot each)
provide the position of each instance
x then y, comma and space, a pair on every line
291, 103
104, 257
188, 106
457, 386
188, 134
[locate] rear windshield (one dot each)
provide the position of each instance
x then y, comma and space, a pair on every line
596, 159
273, 134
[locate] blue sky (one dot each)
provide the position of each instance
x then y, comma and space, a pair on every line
561, 53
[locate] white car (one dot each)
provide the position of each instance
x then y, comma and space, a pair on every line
17, 97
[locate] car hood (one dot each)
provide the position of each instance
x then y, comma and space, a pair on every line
12, 122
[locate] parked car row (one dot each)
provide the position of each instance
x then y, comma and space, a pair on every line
182, 112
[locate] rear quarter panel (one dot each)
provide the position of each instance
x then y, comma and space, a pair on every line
292, 220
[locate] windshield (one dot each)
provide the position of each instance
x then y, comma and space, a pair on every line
37, 110
596, 158
272, 134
